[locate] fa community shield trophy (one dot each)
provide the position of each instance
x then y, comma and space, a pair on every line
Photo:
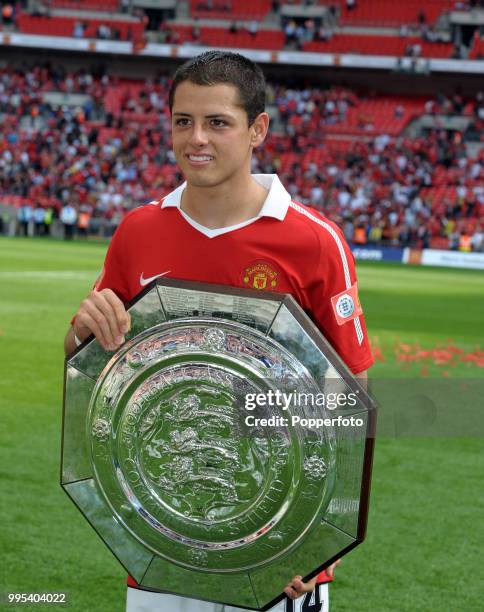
223, 448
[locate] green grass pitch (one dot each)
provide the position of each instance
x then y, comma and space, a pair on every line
425, 532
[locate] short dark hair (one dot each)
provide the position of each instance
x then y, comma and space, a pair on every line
215, 67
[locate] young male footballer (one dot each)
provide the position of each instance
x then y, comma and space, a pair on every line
227, 226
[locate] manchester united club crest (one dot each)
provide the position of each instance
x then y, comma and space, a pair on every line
260, 275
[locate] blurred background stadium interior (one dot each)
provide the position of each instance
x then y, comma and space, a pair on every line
377, 111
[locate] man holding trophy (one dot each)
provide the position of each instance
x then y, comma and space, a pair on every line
226, 226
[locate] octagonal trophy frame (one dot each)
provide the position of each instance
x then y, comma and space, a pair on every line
208, 531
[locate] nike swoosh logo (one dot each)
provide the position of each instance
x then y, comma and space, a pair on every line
145, 281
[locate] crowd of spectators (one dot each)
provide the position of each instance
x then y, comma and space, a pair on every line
104, 31
299, 32
52, 155
93, 163
382, 190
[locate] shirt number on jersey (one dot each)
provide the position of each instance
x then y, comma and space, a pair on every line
310, 603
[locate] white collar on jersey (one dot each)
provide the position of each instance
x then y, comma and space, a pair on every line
275, 205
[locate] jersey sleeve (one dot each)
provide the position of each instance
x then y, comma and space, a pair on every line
323, 578
112, 276
335, 302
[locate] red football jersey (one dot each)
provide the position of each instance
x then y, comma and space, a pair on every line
288, 248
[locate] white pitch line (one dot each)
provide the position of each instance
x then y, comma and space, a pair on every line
49, 274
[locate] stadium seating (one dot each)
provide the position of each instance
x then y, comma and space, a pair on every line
222, 37
372, 117
64, 26
379, 45
477, 50
234, 9
341, 43
389, 13
86, 5
328, 138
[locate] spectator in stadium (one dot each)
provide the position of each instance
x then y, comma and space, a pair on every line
39, 220
41, 9
8, 14
83, 220
104, 32
324, 33
48, 220
24, 218
6, 222
310, 26
465, 242
217, 104
477, 239
68, 219
275, 6
375, 233
195, 33
78, 30
290, 32
253, 28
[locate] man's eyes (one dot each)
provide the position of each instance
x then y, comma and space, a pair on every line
213, 122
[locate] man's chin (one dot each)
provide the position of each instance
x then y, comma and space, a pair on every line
198, 180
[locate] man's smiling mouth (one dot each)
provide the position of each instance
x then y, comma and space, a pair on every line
199, 158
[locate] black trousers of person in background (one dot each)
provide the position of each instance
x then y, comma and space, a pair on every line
69, 231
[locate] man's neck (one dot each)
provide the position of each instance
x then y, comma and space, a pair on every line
223, 205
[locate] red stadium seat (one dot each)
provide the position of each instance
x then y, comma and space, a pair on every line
477, 50
235, 9
378, 45
221, 37
64, 26
388, 13
86, 5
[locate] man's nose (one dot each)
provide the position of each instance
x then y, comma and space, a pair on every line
198, 137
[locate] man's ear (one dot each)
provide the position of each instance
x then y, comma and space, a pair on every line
259, 129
